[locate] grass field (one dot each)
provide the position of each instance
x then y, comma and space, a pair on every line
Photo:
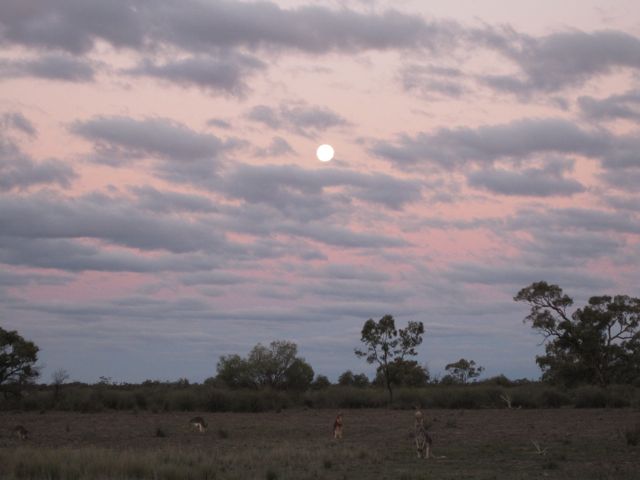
297, 444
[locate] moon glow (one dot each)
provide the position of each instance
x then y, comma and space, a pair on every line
325, 153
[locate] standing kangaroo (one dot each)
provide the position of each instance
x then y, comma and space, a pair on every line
337, 427
423, 440
199, 424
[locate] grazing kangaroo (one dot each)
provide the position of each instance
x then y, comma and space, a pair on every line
423, 440
21, 432
337, 427
199, 424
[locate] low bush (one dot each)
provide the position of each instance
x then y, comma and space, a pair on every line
160, 397
553, 398
590, 397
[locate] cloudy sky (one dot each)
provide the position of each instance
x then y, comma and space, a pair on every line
161, 203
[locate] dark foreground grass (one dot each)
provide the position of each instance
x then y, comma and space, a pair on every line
296, 444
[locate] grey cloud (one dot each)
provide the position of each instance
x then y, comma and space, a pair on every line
349, 272
222, 74
277, 148
178, 153
517, 275
300, 118
560, 60
259, 220
358, 290
72, 25
547, 181
592, 220
382, 189
218, 122
76, 25
149, 137
50, 67
16, 279
453, 148
77, 256
17, 121
629, 202
313, 29
213, 278
67, 255
623, 179
342, 237
294, 192
428, 80
624, 106
19, 171
299, 192
553, 248
265, 115
172, 202
37, 216
535, 220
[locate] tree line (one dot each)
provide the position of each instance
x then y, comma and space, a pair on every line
597, 344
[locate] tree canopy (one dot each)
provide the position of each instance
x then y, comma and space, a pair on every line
17, 361
404, 373
384, 344
275, 366
462, 371
598, 343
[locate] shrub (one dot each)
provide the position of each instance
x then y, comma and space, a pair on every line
552, 398
590, 397
632, 435
271, 475
524, 398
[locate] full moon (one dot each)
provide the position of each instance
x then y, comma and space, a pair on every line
325, 153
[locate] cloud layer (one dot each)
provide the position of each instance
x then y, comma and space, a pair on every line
159, 190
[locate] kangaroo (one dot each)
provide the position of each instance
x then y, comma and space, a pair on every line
21, 432
199, 424
423, 440
337, 427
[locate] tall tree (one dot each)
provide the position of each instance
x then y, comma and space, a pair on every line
275, 366
385, 344
463, 370
599, 343
17, 362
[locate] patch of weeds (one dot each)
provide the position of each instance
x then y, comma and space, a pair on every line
451, 423
362, 455
222, 433
160, 432
632, 435
559, 457
327, 464
550, 465
271, 474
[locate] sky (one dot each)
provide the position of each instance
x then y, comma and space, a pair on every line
161, 203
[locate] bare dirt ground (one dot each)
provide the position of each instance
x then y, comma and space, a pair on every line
377, 444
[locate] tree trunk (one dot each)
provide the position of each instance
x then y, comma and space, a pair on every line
389, 388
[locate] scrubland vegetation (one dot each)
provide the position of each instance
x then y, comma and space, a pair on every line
180, 396
270, 414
